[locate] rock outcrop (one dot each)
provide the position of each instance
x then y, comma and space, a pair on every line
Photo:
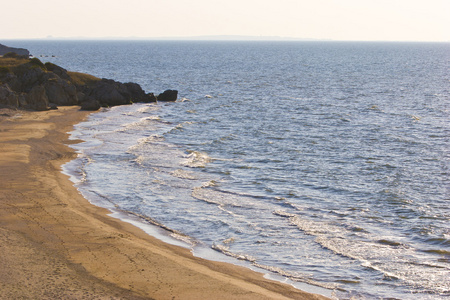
37, 98
168, 95
61, 92
20, 51
8, 97
30, 84
90, 104
111, 93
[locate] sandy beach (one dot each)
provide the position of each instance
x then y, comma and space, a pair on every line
55, 245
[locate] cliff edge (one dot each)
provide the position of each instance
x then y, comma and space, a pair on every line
19, 51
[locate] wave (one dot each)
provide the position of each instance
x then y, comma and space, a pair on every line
210, 192
180, 126
149, 108
172, 232
438, 251
183, 174
298, 277
224, 249
196, 159
142, 142
143, 123
375, 252
215, 197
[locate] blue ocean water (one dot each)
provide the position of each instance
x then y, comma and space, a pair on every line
321, 162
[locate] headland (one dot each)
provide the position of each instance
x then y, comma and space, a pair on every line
27, 83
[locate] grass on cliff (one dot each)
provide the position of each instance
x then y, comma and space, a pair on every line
82, 78
9, 62
19, 64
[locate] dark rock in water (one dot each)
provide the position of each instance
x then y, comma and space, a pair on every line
20, 51
133, 91
150, 97
168, 95
137, 94
111, 93
108, 92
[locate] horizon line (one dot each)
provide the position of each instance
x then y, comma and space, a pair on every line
214, 38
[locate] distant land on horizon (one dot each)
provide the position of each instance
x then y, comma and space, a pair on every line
186, 38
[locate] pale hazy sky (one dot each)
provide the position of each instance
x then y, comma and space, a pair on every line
388, 20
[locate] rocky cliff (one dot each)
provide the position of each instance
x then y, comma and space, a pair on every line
30, 84
19, 51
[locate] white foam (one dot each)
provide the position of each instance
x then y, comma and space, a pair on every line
224, 249
296, 276
183, 174
215, 196
181, 126
146, 140
143, 123
196, 159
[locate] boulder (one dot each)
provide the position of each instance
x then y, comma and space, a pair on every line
111, 93
81, 97
168, 95
133, 91
28, 78
8, 97
37, 98
108, 93
90, 104
13, 81
52, 106
22, 100
137, 94
150, 97
61, 92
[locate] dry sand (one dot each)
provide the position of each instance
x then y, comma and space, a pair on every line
55, 245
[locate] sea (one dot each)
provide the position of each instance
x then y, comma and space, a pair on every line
324, 165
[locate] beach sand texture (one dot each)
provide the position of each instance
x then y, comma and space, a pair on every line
55, 245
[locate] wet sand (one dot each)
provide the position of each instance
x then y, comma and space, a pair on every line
54, 244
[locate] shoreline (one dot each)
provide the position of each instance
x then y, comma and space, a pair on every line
55, 244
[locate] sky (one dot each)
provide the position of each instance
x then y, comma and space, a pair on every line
353, 20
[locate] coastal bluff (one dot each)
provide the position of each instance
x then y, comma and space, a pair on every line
19, 51
27, 83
